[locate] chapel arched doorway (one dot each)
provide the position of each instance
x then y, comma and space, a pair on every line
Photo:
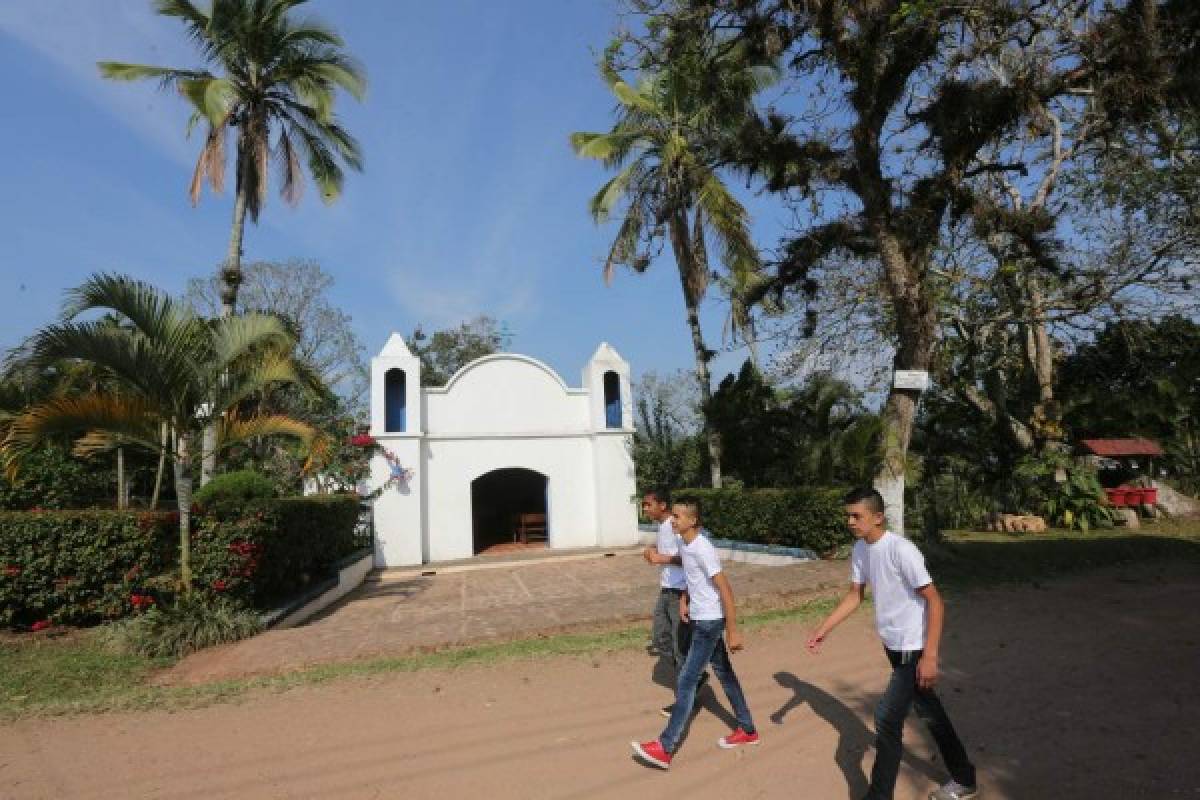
507, 506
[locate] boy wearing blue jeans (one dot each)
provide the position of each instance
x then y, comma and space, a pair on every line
908, 615
708, 605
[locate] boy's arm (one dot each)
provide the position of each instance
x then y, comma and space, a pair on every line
733, 637
935, 610
683, 607
851, 601
652, 555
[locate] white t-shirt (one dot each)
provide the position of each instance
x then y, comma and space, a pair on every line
894, 569
667, 544
700, 564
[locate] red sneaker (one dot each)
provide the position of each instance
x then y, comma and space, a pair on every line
736, 739
652, 753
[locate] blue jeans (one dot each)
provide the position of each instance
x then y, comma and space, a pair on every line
902, 694
708, 646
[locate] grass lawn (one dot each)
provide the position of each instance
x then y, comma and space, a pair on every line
969, 559
46, 674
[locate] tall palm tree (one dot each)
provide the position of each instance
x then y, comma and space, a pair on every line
668, 186
170, 368
273, 77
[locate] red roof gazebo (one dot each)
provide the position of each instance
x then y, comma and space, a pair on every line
1121, 448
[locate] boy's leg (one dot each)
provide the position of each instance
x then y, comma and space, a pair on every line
683, 634
723, 669
889, 724
933, 714
663, 631
705, 635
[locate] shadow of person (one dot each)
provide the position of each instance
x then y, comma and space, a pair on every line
853, 736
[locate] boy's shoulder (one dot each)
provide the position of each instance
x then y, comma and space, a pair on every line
703, 544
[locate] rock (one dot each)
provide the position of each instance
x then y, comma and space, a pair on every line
1175, 504
1127, 517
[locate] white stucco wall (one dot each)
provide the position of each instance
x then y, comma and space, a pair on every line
499, 412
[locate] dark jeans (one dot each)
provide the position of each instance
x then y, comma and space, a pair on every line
708, 646
903, 693
670, 634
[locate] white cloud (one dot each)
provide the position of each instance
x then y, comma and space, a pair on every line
73, 36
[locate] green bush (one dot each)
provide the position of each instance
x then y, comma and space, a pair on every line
189, 624
79, 567
264, 551
812, 518
51, 478
234, 488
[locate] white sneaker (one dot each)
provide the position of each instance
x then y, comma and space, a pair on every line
953, 790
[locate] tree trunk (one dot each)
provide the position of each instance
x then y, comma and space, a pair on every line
231, 280
122, 497
690, 282
231, 270
1039, 349
183, 493
158, 473
916, 332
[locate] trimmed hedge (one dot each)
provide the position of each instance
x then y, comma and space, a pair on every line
264, 551
233, 488
812, 518
79, 567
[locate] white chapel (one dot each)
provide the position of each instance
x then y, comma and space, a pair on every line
504, 452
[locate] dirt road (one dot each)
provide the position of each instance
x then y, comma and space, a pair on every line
1086, 688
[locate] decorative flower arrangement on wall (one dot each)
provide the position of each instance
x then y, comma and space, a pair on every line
398, 474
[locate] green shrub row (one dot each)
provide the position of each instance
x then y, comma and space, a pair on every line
812, 518
264, 551
80, 567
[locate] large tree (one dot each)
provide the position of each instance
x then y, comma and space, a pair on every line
272, 79
168, 368
896, 111
668, 183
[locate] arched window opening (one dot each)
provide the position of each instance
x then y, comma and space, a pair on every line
612, 400
395, 401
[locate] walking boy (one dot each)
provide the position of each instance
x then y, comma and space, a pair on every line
670, 633
908, 615
710, 608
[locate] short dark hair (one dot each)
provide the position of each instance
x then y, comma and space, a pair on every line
869, 497
692, 505
661, 495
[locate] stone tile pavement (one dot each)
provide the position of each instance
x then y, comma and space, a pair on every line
397, 612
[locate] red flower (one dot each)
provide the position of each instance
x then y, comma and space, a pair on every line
40, 625
219, 585
362, 440
12, 570
141, 601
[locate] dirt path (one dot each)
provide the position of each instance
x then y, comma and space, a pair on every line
1083, 689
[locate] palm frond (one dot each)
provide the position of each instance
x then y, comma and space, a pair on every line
233, 429
128, 416
166, 76
233, 338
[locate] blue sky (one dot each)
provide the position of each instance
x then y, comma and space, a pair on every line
471, 201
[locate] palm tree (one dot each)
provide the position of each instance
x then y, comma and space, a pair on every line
274, 76
663, 146
169, 368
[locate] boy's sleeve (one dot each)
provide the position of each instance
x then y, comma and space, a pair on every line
856, 567
912, 567
711, 561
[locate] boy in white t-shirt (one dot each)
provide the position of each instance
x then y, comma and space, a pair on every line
670, 633
708, 604
908, 615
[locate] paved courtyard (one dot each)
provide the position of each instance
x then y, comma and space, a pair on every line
488, 600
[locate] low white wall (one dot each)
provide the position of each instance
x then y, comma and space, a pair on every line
350, 577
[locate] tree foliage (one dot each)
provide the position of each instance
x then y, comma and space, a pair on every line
445, 352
